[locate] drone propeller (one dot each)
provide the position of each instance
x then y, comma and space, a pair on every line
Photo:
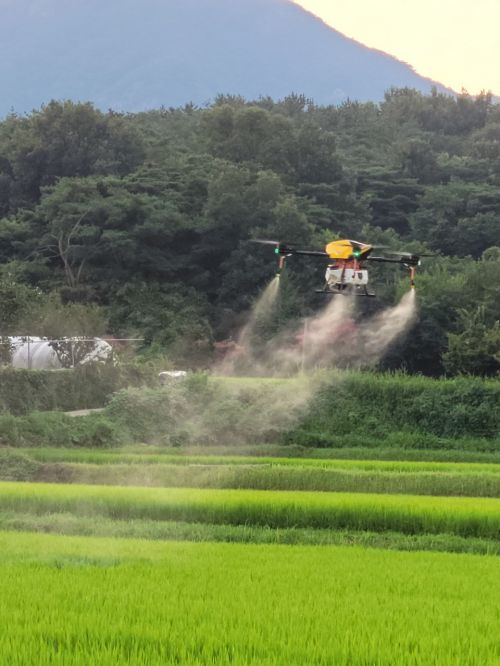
286, 249
265, 242
410, 254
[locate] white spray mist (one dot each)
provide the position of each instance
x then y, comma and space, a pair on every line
378, 333
242, 356
331, 338
261, 309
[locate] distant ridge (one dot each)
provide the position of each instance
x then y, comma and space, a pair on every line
132, 55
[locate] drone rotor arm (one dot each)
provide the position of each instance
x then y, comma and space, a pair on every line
411, 260
309, 253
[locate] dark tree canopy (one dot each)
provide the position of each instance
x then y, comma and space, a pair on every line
147, 216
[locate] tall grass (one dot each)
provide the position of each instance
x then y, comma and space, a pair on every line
401, 513
99, 601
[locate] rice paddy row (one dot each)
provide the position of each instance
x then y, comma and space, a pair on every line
137, 602
465, 517
153, 455
273, 477
154, 530
249, 472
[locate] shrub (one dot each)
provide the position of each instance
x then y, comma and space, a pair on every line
85, 387
56, 429
16, 466
377, 405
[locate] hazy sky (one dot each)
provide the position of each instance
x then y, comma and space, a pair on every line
456, 42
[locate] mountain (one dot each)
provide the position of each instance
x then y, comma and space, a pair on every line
132, 55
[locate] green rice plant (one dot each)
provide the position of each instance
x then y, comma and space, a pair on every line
272, 477
86, 601
475, 517
155, 456
68, 524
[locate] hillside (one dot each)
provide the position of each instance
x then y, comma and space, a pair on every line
130, 55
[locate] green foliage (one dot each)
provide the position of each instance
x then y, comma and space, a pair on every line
476, 350
350, 410
17, 302
62, 139
264, 455
16, 466
447, 290
147, 216
213, 412
84, 387
459, 218
172, 318
379, 406
56, 429
53, 319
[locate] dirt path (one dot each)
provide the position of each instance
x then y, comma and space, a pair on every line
84, 412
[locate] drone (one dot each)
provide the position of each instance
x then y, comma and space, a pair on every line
346, 272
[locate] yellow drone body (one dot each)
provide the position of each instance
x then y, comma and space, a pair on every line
347, 249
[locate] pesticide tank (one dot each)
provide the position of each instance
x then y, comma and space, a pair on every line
356, 277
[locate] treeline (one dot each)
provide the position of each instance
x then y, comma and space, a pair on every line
137, 225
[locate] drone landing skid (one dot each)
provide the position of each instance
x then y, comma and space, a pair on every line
345, 292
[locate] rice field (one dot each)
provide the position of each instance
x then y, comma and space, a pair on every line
125, 468
365, 459
143, 556
89, 601
475, 517
273, 478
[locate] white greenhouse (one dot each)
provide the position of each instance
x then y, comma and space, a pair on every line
34, 353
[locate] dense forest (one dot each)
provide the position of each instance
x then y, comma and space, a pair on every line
138, 224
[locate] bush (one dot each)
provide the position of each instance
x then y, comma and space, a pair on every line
85, 387
16, 466
347, 410
378, 405
56, 429
199, 410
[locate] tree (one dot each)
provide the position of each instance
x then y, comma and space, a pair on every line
62, 139
169, 315
476, 350
69, 218
18, 302
94, 204
460, 218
